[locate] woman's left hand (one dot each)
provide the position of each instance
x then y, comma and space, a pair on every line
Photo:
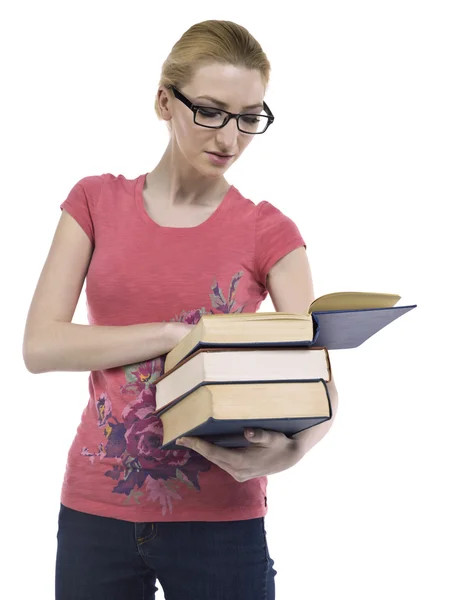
270, 452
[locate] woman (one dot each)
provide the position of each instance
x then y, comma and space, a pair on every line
157, 253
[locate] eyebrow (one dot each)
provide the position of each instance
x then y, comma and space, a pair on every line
224, 105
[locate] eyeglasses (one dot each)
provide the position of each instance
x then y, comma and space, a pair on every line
216, 118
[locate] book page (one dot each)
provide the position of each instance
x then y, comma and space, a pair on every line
262, 316
353, 301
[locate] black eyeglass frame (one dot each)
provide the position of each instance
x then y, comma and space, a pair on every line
194, 108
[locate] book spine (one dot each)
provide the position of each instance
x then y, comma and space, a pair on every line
316, 330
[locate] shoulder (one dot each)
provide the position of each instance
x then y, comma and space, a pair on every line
98, 181
120, 183
92, 187
268, 211
84, 193
260, 211
271, 221
90, 183
241, 205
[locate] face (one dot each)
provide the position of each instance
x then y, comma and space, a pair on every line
237, 88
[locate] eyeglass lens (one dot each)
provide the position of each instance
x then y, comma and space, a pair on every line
249, 123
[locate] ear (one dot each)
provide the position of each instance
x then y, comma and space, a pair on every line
165, 99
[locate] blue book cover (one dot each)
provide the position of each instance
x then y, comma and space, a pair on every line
340, 329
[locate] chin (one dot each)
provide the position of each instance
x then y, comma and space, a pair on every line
212, 171
220, 168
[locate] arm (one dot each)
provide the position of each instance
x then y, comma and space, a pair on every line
289, 284
290, 287
66, 346
53, 343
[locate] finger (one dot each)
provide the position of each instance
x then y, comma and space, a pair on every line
207, 453
262, 436
213, 452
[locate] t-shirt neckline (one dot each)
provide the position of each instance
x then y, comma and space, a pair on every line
140, 204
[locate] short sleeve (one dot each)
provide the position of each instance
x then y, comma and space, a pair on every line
81, 201
276, 236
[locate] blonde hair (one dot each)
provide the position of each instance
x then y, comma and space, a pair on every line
211, 41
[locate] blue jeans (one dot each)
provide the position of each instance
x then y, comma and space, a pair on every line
99, 558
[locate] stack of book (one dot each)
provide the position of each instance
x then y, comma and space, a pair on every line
263, 370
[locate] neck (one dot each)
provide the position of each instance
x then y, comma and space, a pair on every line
179, 183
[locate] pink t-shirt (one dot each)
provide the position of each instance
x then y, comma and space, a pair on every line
141, 272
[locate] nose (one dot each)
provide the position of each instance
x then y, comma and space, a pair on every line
227, 136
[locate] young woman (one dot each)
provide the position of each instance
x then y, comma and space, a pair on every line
157, 253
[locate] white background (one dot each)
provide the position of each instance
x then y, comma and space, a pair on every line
358, 157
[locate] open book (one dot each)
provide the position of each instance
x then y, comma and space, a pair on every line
335, 321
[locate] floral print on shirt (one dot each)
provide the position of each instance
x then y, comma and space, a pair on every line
142, 468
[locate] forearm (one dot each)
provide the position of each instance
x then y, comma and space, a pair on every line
307, 439
73, 347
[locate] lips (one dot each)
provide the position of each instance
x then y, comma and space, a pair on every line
219, 159
221, 155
